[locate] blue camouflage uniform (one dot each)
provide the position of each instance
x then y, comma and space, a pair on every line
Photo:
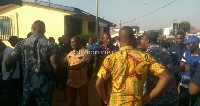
38, 75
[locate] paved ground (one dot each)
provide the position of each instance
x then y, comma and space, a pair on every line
94, 99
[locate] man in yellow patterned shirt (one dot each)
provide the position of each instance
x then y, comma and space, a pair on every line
128, 69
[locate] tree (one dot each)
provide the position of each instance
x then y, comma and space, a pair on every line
172, 32
160, 32
85, 38
185, 26
136, 28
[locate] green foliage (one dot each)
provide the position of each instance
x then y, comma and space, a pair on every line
87, 36
159, 31
172, 32
185, 26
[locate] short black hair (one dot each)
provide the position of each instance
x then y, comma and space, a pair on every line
39, 26
151, 36
126, 34
13, 39
77, 38
2, 44
107, 33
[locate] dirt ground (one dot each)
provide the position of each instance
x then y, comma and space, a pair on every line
94, 98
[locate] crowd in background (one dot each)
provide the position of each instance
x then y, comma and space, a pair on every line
129, 71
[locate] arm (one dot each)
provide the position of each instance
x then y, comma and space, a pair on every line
78, 66
182, 64
84, 62
101, 90
57, 71
103, 74
165, 77
193, 89
194, 85
13, 57
187, 68
11, 62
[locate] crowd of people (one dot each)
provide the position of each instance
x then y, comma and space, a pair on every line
129, 71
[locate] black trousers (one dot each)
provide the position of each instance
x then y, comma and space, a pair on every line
90, 68
11, 87
185, 97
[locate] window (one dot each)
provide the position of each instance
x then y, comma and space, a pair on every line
5, 28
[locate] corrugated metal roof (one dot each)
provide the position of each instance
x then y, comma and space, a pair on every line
71, 9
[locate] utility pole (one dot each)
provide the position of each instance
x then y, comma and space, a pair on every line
96, 21
120, 24
49, 3
35, 1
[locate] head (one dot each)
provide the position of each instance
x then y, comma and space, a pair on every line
51, 39
106, 38
148, 39
29, 34
90, 41
38, 28
192, 43
180, 37
59, 41
2, 46
126, 36
98, 40
13, 40
65, 39
116, 38
117, 41
76, 43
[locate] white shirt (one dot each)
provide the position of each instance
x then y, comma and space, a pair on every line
6, 74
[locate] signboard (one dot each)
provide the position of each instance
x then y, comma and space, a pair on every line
166, 31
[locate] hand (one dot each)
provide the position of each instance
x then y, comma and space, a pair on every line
107, 103
65, 65
187, 68
146, 98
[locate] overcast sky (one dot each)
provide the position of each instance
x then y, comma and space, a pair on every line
128, 10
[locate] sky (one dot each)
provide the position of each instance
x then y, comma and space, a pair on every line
128, 10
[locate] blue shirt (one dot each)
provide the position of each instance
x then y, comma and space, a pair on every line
91, 49
192, 61
170, 94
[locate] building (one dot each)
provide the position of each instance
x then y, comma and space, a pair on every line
114, 32
195, 31
17, 20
